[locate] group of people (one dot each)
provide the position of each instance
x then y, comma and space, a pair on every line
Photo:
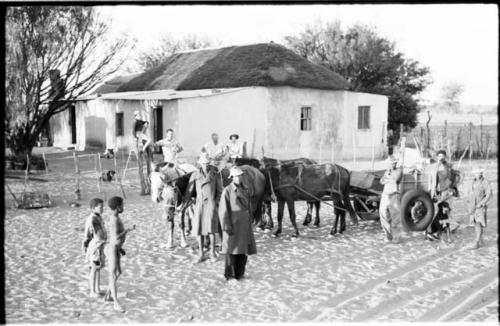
226, 212
441, 188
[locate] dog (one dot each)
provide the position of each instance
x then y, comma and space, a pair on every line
107, 176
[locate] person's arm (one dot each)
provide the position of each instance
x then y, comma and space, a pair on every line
225, 213
160, 142
240, 149
148, 142
383, 180
487, 196
178, 147
398, 174
87, 236
121, 235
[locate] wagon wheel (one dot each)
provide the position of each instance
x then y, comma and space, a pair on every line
417, 210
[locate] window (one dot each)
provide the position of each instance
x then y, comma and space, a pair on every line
305, 118
363, 117
119, 124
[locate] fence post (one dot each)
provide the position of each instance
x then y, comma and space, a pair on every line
45, 163
77, 176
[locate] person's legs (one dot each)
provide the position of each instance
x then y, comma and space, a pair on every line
200, 248
385, 218
240, 265
213, 254
92, 278
229, 270
395, 220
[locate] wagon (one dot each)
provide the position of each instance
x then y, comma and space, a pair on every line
417, 207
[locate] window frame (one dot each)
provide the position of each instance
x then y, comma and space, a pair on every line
119, 127
306, 118
364, 117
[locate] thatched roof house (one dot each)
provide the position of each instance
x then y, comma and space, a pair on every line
266, 64
277, 101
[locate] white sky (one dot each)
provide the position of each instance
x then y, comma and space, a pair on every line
458, 42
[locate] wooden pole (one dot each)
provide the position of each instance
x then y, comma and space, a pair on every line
126, 164
45, 163
448, 148
26, 171
117, 176
96, 173
373, 153
332, 154
320, 150
470, 145
77, 176
354, 150
253, 142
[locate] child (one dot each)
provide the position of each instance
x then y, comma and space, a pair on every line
481, 194
93, 245
117, 235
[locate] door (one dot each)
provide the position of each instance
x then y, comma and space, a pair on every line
158, 125
72, 123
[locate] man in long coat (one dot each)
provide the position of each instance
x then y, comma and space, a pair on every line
235, 216
481, 194
208, 185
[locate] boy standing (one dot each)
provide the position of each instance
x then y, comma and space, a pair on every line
117, 235
481, 194
93, 245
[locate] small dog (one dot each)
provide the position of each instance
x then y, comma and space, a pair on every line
107, 176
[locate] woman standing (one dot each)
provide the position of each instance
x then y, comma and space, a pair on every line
235, 217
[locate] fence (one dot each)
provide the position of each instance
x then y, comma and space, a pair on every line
459, 139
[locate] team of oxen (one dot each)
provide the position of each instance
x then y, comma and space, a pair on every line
268, 180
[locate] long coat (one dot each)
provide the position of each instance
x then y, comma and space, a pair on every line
234, 213
208, 191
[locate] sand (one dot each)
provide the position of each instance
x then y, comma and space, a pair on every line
350, 277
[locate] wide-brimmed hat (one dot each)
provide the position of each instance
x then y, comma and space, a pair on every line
235, 171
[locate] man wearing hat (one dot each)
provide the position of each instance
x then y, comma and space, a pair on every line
216, 151
481, 194
390, 201
235, 217
208, 185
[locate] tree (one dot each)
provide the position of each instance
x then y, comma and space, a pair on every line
369, 62
169, 45
450, 95
53, 55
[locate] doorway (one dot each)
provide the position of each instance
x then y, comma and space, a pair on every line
158, 125
72, 123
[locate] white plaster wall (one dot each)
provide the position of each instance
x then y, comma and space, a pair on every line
60, 130
362, 142
241, 112
286, 140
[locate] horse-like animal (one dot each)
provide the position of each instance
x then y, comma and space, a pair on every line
168, 185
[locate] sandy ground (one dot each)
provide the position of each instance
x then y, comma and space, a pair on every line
352, 277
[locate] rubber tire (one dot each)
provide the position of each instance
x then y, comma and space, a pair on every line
406, 219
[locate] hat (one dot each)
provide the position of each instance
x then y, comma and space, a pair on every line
203, 159
235, 171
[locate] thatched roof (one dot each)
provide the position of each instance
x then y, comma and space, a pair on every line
110, 86
266, 64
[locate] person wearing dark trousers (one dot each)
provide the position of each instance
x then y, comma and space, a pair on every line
235, 217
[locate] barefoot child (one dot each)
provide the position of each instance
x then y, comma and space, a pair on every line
93, 245
117, 235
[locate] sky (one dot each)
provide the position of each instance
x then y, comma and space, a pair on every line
459, 43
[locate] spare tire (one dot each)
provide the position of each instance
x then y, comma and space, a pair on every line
417, 210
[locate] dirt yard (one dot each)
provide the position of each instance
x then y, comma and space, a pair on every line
352, 277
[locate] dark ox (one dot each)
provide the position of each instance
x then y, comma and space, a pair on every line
318, 180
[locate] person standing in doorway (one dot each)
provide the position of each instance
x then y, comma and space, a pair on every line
390, 202
170, 147
235, 217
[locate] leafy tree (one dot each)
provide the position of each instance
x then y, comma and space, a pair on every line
53, 55
450, 95
169, 45
369, 62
